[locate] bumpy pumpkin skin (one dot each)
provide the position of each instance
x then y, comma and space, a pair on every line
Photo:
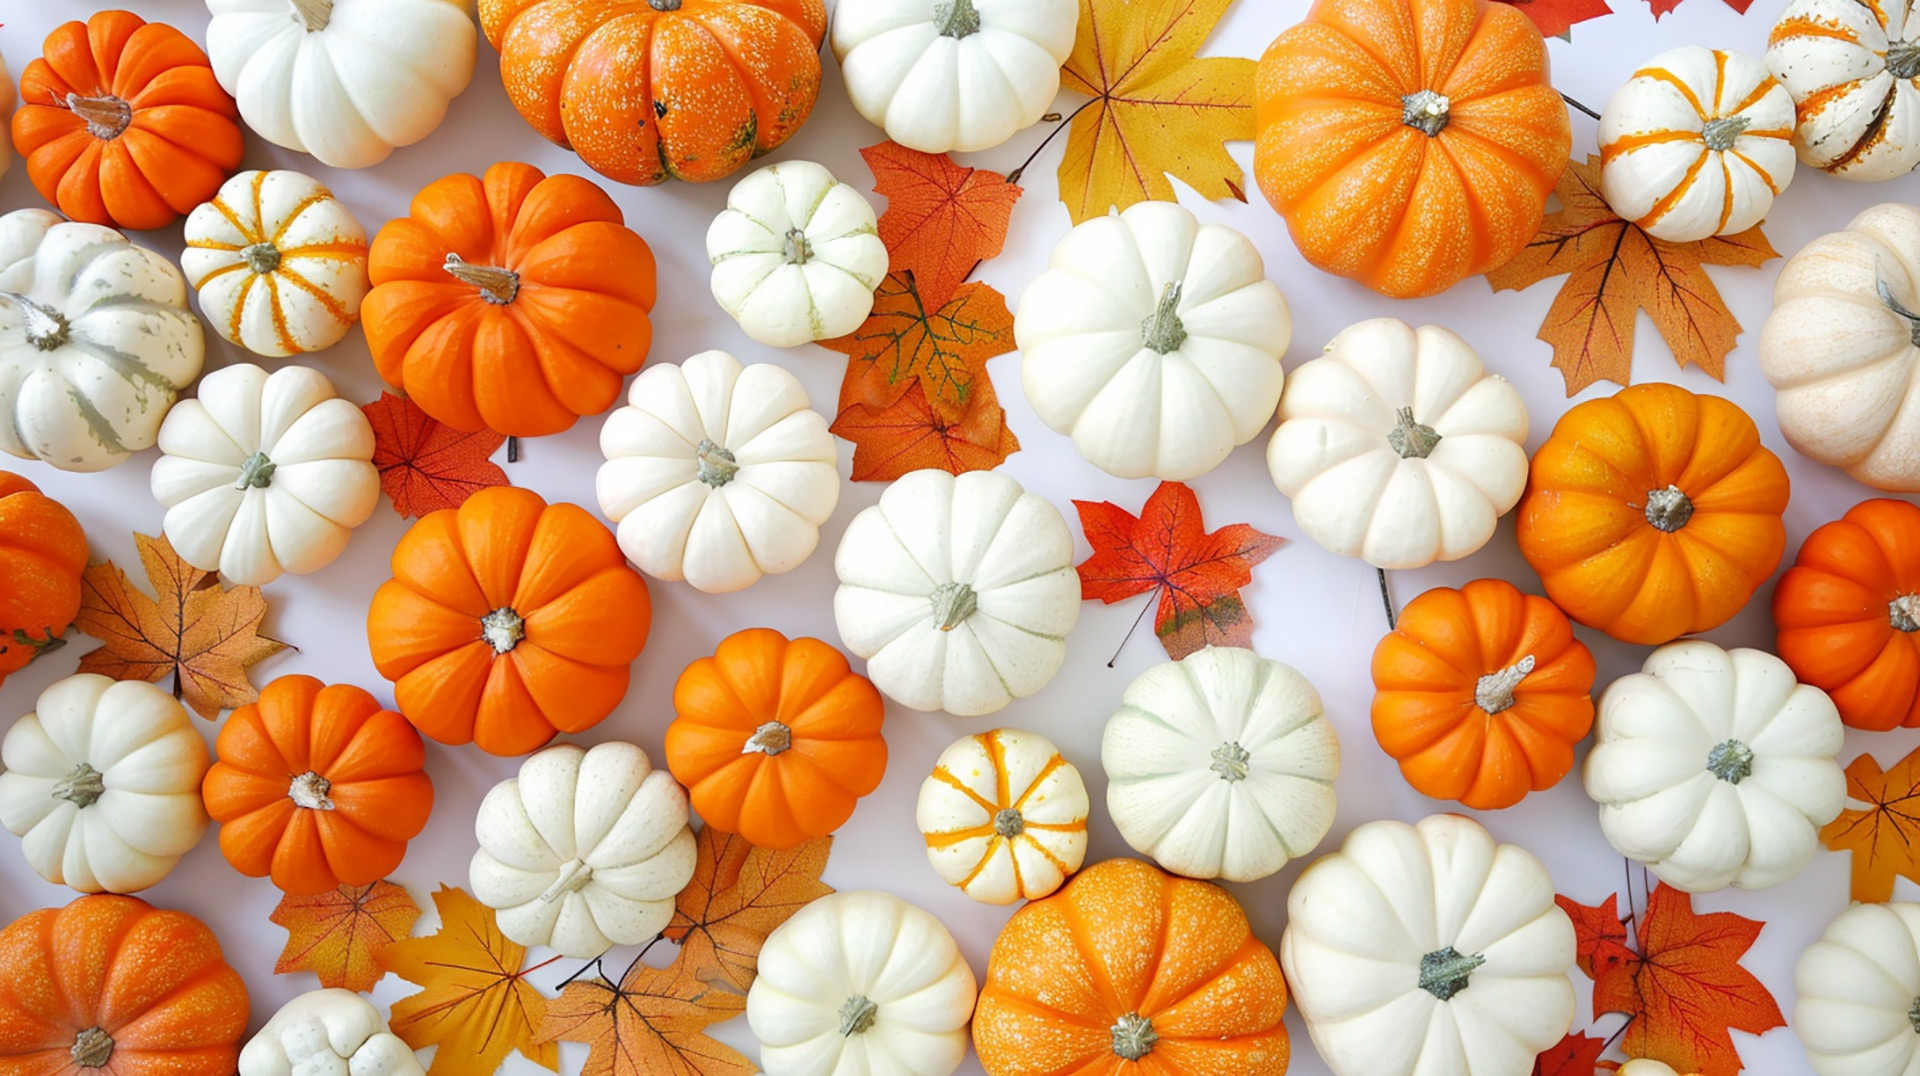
1848, 614
42, 553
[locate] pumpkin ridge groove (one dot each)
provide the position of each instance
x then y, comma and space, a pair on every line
1053, 766
941, 774
292, 216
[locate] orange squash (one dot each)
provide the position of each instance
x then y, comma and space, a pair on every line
122, 123
1848, 614
1409, 143
1653, 513
645, 90
515, 303
775, 740
317, 786
508, 620
112, 985
1131, 970
42, 553
1481, 693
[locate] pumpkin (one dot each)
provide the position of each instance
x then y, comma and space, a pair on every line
734, 79
965, 75
861, 982
102, 784
775, 740
958, 591
508, 620
716, 473
1653, 513
1126, 970
1646, 1066
1843, 344
1221, 765
98, 342
264, 473
317, 787
321, 1031
109, 984
1848, 610
584, 850
1481, 694
1004, 816
1397, 447
8, 98
1854, 72
1858, 988
124, 123
514, 302
1715, 767
1153, 341
796, 255
1429, 949
1698, 143
344, 80
42, 553
279, 262
1409, 144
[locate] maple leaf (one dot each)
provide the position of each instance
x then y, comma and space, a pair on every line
1576, 1055
942, 220
1614, 270
338, 934
1600, 935
739, 893
945, 350
1198, 575
204, 636
424, 464
1666, 7
1881, 834
475, 1002
1556, 18
909, 436
653, 1024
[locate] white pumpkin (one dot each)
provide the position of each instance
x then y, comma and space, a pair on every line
344, 80
1397, 447
103, 784
327, 1033
1646, 1066
584, 850
279, 262
1697, 144
1154, 341
1853, 69
861, 983
1004, 815
1842, 348
96, 342
960, 75
1429, 950
959, 592
717, 473
1221, 765
1715, 767
264, 474
796, 255
1858, 1011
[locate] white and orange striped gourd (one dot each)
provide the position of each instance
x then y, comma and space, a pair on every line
1005, 816
1697, 144
1853, 69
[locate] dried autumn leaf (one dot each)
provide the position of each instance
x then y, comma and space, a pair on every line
942, 220
1883, 832
1600, 935
909, 436
739, 894
1556, 18
945, 350
1666, 7
653, 1024
204, 636
425, 465
1614, 270
338, 934
1576, 1055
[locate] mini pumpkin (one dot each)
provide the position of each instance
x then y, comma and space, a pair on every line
1854, 72
1004, 816
1848, 614
335, 1031
796, 255
42, 553
1857, 990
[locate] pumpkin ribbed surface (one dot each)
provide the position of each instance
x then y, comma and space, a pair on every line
42, 553
1848, 614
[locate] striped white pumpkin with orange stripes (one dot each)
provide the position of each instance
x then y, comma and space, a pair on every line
1005, 816
280, 264
1853, 69
1697, 144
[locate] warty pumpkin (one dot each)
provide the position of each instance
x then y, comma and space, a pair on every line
42, 553
1853, 69
1848, 614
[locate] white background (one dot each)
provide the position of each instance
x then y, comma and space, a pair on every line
1315, 611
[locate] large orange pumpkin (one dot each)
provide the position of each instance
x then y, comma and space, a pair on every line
775, 740
113, 985
1409, 143
1129, 969
648, 89
515, 303
121, 122
508, 620
1653, 513
42, 553
1480, 694
317, 786
1848, 614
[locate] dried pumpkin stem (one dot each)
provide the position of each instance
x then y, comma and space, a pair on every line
1494, 692
1133, 1037
1010, 823
953, 603
82, 788
47, 329
1426, 111
257, 472
92, 1048
1913, 1015
503, 629
314, 14
107, 116
573, 878
311, 791
718, 465
1722, 132
857, 1016
1903, 60
769, 739
1668, 509
1895, 305
1904, 613
1731, 761
497, 286
1231, 762
1411, 438
664, 5
799, 249
1446, 972
1164, 332
956, 18
262, 258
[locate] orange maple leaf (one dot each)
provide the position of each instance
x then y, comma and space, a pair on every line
945, 349
1576, 1055
739, 893
1881, 834
653, 1024
426, 465
942, 220
909, 436
338, 934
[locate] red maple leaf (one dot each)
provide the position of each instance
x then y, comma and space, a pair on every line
942, 220
910, 436
424, 465
1198, 575
1576, 1055
1556, 18
1665, 7
1600, 935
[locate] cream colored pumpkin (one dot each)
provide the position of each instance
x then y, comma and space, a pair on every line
1853, 69
1004, 816
796, 255
1858, 987
327, 1033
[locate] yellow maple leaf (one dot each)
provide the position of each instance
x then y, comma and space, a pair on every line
653, 1024
338, 933
1882, 832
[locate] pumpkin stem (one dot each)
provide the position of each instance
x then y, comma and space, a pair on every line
953, 603
107, 116
1893, 304
47, 329
717, 464
1426, 111
1668, 509
82, 788
1731, 761
1164, 331
314, 14
262, 258
956, 18
1133, 1037
799, 250
769, 739
1494, 692
664, 5
1230, 762
497, 286
257, 472
38, 646
92, 1049
1913, 1015
857, 1016
1411, 438
1010, 823
1903, 59
1721, 133
574, 877
311, 791
1902, 612
503, 629
1446, 972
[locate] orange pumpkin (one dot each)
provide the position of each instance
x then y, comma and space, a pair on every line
1848, 614
113, 985
1653, 513
42, 553
508, 620
515, 303
775, 740
1409, 143
1129, 969
317, 786
1480, 694
121, 122
648, 89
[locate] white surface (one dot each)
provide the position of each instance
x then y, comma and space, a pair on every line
1316, 612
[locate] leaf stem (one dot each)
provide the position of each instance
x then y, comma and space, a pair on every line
1386, 599
1014, 176
513, 450
1150, 603
1580, 107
